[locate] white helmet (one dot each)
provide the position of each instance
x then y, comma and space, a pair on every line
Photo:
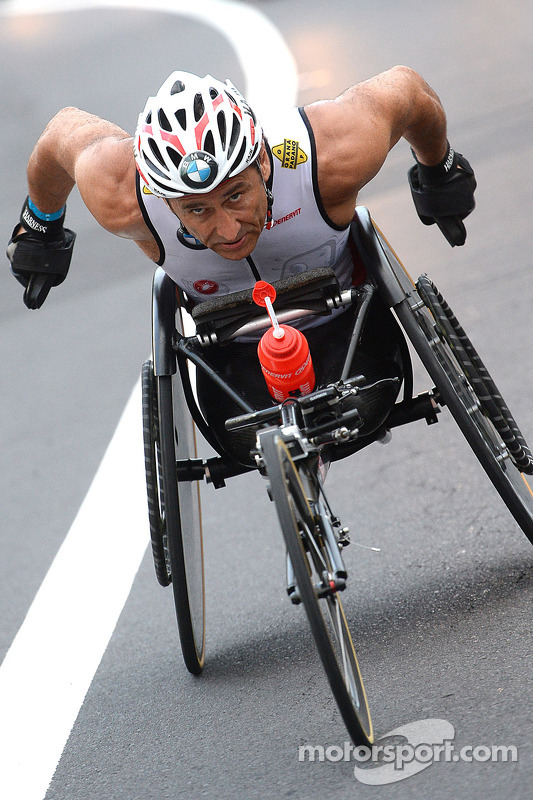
194, 134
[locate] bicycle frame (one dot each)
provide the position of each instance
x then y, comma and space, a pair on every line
173, 351
300, 448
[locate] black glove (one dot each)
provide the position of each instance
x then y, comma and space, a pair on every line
444, 194
40, 254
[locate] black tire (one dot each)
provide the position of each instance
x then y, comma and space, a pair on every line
486, 390
174, 511
152, 462
466, 388
310, 562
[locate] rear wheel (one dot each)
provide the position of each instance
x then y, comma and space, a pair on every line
154, 489
492, 402
464, 385
314, 574
174, 508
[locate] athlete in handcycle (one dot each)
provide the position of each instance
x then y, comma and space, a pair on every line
221, 203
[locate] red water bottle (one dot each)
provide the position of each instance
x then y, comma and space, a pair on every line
283, 353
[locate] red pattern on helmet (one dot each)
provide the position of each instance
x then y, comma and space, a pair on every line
199, 130
236, 108
171, 138
141, 173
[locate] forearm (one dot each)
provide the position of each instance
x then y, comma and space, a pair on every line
49, 180
424, 122
52, 165
48, 186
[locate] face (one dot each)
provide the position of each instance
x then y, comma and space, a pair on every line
230, 218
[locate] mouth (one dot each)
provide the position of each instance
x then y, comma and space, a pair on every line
230, 247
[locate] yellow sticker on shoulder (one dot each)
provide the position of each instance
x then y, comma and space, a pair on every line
290, 153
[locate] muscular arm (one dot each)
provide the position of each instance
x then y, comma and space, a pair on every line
355, 132
97, 155
75, 148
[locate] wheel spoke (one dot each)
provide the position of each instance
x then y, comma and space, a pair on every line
299, 518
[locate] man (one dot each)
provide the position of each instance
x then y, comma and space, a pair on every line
220, 203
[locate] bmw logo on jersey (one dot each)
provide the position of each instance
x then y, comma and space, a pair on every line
198, 170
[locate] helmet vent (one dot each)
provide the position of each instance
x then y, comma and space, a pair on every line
209, 143
181, 116
199, 107
177, 87
154, 167
213, 93
164, 186
234, 138
156, 152
163, 121
239, 158
221, 122
174, 157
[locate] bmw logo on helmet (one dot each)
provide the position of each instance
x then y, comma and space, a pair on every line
198, 170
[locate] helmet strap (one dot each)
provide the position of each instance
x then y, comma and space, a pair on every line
182, 230
270, 203
269, 195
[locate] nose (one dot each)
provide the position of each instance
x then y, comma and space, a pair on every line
227, 226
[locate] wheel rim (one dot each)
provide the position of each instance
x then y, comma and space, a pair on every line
183, 531
325, 614
455, 392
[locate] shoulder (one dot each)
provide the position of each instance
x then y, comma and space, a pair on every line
381, 99
354, 133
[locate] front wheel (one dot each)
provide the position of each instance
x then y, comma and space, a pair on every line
314, 574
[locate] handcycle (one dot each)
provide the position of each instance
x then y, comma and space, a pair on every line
292, 436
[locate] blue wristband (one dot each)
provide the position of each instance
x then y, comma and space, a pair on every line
48, 227
45, 217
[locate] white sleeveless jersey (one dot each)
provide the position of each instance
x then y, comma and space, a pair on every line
300, 236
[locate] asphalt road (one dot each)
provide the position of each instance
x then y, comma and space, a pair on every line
443, 612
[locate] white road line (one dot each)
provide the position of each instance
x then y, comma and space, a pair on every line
269, 67
52, 660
